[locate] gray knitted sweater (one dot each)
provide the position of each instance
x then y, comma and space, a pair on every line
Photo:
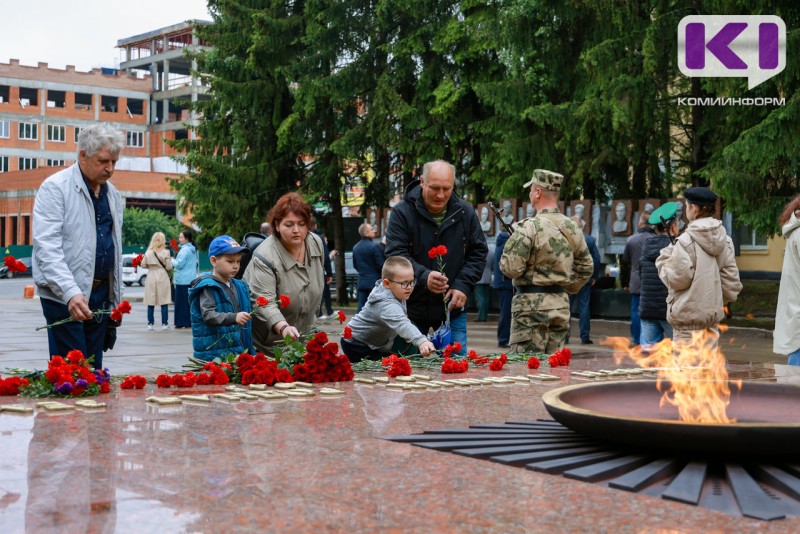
383, 318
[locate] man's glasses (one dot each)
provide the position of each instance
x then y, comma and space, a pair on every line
405, 285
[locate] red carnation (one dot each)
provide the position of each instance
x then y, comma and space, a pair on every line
116, 315
457, 347
441, 250
533, 363
342, 316
432, 253
203, 379
174, 244
124, 307
285, 300
163, 381
400, 367
321, 338
348, 333
75, 356
496, 364
261, 302
553, 361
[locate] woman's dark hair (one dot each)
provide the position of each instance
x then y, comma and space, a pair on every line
704, 211
289, 203
792, 206
187, 234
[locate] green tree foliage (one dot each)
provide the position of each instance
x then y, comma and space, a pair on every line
139, 226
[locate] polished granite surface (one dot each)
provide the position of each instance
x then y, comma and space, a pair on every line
313, 464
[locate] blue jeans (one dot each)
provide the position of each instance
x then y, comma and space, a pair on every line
504, 323
151, 312
794, 358
459, 328
654, 331
636, 324
581, 301
87, 336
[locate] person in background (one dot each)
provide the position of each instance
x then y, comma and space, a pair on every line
786, 338
482, 296
505, 291
328, 271
77, 245
548, 260
220, 305
368, 261
289, 262
582, 300
383, 318
432, 214
629, 274
187, 266
158, 287
265, 229
699, 271
653, 296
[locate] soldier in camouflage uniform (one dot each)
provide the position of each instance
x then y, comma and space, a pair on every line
548, 259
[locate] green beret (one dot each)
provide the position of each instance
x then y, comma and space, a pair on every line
548, 180
701, 196
664, 212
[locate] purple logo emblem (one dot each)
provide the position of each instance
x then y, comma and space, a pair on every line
752, 46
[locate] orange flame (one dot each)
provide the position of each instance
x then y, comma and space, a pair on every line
692, 372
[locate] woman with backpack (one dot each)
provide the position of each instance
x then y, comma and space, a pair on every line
187, 267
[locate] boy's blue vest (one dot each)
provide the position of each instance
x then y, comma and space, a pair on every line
225, 339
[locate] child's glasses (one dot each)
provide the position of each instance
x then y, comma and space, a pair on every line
405, 285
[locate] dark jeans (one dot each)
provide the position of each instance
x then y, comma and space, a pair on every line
363, 295
357, 351
326, 300
164, 312
504, 324
87, 336
581, 302
182, 317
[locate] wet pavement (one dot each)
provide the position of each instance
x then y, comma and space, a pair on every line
308, 464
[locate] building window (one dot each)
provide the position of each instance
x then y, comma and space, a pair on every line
27, 163
55, 162
3, 163
77, 133
28, 130
56, 133
5, 129
751, 239
135, 139
108, 103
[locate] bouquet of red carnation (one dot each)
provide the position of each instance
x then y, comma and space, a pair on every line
441, 337
397, 366
560, 357
14, 265
68, 377
116, 314
498, 363
12, 385
136, 262
133, 381
173, 243
533, 362
322, 362
451, 366
259, 369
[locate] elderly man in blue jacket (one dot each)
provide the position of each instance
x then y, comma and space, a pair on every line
77, 245
431, 214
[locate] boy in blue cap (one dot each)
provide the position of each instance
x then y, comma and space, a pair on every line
220, 305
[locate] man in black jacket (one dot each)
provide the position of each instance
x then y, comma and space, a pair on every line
430, 215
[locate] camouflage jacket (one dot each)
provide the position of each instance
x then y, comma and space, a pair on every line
546, 250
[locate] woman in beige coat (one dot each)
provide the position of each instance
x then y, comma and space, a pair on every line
699, 270
289, 262
786, 338
158, 287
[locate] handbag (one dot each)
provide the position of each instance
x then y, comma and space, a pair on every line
443, 335
169, 272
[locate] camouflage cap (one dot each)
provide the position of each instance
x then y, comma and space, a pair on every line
548, 180
665, 212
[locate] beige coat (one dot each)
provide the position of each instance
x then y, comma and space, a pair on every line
786, 338
157, 290
302, 283
701, 276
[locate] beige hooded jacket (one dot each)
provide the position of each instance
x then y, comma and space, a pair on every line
701, 276
786, 338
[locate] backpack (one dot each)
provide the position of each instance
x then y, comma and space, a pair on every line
251, 241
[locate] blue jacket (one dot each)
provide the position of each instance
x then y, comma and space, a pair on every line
500, 281
225, 339
592, 246
368, 261
186, 265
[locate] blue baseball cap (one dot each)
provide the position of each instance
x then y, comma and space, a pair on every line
224, 244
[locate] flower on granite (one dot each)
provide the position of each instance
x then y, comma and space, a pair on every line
64, 388
342, 316
451, 366
397, 366
533, 363
133, 381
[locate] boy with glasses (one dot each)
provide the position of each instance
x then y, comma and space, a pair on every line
384, 316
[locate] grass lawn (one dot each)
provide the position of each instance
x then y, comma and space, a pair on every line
756, 305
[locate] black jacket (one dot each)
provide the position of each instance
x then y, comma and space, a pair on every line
368, 261
412, 232
653, 296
